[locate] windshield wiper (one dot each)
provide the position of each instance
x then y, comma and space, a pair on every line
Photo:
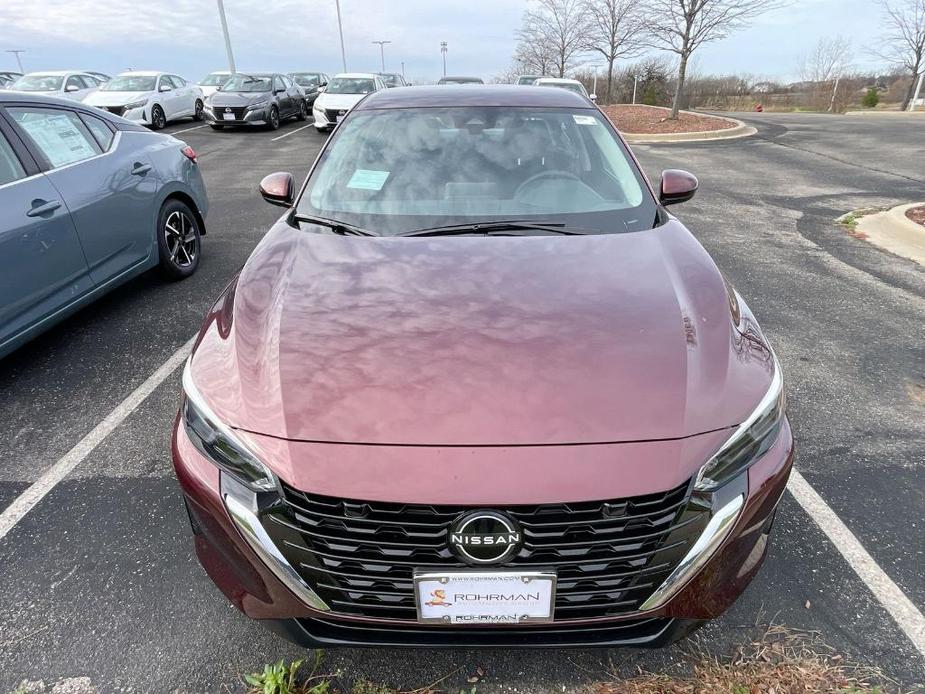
341, 228
498, 226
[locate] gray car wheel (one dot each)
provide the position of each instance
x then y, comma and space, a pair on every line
178, 240
273, 120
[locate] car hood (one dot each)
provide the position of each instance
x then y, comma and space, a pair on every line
220, 98
474, 341
341, 102
101, 98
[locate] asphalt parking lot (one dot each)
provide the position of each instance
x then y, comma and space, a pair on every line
100, 579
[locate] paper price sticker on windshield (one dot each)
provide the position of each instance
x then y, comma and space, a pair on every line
367, 179
585, 120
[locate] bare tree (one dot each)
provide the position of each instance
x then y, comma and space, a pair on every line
682, 26
904, 39
617, 30
562, 26
829, 58
534, 52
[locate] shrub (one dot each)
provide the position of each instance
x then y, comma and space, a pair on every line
871, 98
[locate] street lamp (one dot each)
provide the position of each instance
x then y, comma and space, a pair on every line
635, 82
443, 51
16, 52
221, 15
382, 52
340, 30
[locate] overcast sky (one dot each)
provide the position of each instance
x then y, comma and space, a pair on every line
184, 36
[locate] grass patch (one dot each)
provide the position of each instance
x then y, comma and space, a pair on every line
781, 661
279, 678
849, 221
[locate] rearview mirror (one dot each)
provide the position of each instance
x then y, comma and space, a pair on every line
278, 189
677, 186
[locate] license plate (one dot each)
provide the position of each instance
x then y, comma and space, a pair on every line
228, 116
484, 597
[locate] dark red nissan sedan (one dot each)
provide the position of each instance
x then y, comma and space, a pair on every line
478, 387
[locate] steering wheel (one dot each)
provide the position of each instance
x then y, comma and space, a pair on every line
543, 175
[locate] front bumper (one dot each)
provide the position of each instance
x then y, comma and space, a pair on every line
244, 575
256, 116
140, 115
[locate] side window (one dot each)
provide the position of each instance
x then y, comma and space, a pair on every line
101, 132
74, 81
10, 168
166, 81
277, 83
178, 82
59, 135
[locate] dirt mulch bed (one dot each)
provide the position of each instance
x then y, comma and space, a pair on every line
917, 214
651, 120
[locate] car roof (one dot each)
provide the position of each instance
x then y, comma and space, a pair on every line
473, 95
357, 75
141, 73
53, 73
7, 97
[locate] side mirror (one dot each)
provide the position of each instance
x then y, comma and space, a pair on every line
322, 87
677, 186
164, 88
593, 98
278, 189
72, 88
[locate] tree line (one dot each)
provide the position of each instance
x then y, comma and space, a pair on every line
557, 36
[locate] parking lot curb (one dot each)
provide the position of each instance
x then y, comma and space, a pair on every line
893, 231
739, 131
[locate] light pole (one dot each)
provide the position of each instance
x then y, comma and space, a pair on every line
382, 52
16, 52
594, 88
635, 82
915, 97
340, 30
443, 51
221, 14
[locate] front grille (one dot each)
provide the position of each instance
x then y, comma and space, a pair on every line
118, 110
237, 112
331, 114
609, 556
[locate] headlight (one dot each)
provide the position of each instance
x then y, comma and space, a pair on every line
218, 442
753, 437
259, 104
136, 104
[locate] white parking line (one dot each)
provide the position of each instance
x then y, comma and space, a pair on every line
904, 612
186, 130
26, 501
291, 132
907, 616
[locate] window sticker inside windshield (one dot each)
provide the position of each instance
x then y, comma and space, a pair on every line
367, 179
585, 120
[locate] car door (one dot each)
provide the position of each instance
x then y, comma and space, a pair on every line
169, 98
42, 265
108, 186
75, 88
185, 95
283, 102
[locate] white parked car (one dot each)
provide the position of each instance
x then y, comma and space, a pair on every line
565, 83
212, 82
341, 94
149, 98
74, 85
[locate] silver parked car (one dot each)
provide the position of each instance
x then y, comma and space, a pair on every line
88, 200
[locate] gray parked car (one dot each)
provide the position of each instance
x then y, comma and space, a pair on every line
88, 200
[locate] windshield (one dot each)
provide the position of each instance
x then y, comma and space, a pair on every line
390, 78
351, 85
527, 79
306, 79
134, 83
395, 171
247, 83
577, 88
214, 79
39, 83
